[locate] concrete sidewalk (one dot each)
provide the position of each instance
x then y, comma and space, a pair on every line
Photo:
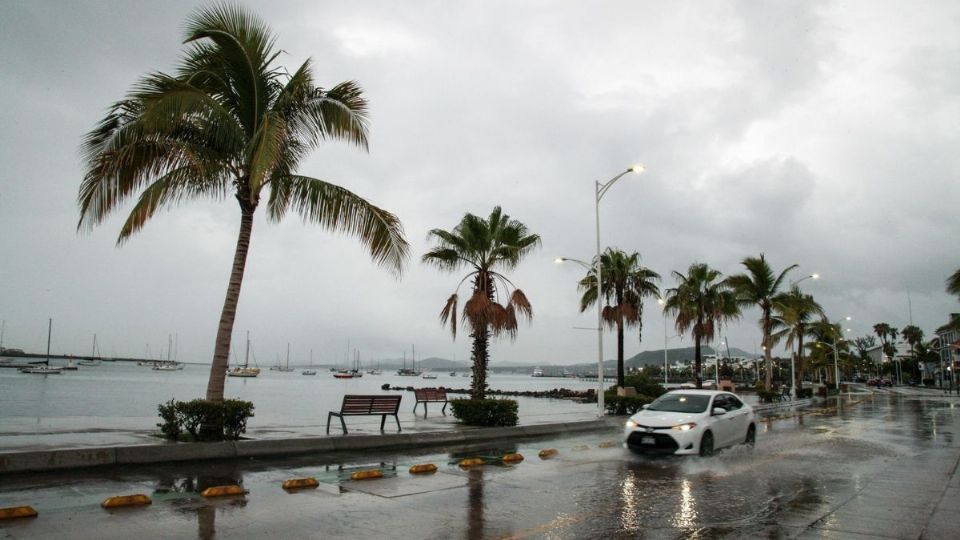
73, 458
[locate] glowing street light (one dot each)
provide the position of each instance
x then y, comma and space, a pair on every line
600, 189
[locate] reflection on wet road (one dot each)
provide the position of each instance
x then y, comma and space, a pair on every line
804, 466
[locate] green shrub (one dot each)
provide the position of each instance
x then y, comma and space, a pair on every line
768, 396
236, 412
228, 420
485, 412
622, 405
645, 385
171, 426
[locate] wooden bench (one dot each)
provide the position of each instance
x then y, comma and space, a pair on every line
430, 395
367, 406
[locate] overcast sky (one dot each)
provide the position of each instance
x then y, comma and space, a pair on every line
820, 133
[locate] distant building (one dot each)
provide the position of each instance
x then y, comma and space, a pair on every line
947, 344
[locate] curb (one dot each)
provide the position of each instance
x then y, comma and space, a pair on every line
782, 405
74, 458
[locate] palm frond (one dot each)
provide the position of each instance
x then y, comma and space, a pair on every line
449, 313
340, 210
520, 302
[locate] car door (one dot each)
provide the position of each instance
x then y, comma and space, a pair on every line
720, 425
737, 417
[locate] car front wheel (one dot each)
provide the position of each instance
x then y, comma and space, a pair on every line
751, 435
706, 444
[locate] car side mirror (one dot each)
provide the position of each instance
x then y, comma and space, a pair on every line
717, 411
645, 405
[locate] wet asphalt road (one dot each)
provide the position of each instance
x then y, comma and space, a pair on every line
805, 465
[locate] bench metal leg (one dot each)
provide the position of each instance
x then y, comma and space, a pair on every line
415, 406
383, 420
424, 409
395, 417
444, 409
342, 423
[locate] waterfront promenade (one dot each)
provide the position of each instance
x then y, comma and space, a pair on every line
875, 464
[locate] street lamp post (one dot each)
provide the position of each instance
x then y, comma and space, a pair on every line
666, 365
793, 357
599, 192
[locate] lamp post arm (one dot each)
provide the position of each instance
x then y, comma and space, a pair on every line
602, 188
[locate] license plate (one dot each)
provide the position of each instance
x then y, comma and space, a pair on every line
648, 440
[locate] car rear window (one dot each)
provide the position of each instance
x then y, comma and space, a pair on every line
679, 402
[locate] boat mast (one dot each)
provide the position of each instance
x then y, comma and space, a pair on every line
288, 355
49, 331
246, 358
169, 346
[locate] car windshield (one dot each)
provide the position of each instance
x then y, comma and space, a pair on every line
676, 402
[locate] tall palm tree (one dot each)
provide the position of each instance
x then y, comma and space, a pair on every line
953, 284
625, 284
701, 302
888, 336
914, 336
792, 322
230, 123
760, 287
483, 246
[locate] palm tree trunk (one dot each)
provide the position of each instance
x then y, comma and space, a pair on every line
481, 357
620, 378
221, 353
697, 363
799, 381
767, 355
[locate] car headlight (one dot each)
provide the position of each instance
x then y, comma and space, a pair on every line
685, 427
632, 424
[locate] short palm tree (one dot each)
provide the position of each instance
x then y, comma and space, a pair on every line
760, 287
625, 284
230, 124
483, 246
701, 302
792, 323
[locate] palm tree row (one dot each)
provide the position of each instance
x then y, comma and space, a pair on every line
230, 123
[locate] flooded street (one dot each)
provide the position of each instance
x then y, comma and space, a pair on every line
880, 461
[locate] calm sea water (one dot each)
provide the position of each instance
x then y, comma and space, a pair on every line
119, 396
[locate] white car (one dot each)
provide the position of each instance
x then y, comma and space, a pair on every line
691, 422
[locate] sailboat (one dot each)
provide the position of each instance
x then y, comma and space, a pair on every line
310, 371
44, 369
354, 373
94, 355
169, 365
246, 370
404, 372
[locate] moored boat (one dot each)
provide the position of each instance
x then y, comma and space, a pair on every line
245, 370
